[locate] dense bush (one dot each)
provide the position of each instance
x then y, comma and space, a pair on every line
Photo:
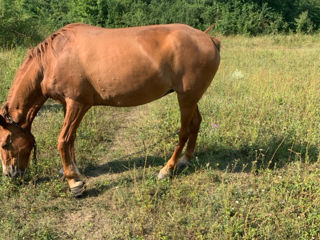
248, 18
17, 26
27, 21
304, 23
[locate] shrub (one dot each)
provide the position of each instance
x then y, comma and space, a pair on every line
16, 25
248, 18
304, 23
25, 22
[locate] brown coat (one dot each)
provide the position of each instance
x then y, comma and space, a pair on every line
82, 66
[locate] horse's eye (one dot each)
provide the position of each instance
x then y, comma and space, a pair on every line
6, 143
5, 146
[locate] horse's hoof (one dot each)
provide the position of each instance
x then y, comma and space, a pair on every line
164, 173
61, 173
183, 162
77, 188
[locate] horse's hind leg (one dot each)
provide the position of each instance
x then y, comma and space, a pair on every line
74, 114
194, 129
190, 123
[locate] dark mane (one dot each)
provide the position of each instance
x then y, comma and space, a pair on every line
39, 54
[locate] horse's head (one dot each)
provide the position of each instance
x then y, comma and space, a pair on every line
15, 147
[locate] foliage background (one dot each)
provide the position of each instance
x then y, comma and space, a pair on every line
29, 21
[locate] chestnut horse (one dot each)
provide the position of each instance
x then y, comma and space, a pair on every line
81, 66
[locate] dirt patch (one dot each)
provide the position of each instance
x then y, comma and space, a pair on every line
88, 222
124, 145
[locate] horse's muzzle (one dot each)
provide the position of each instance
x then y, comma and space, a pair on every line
12, 171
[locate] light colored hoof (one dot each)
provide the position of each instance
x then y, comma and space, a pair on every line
77, 188
164, 173
183, 162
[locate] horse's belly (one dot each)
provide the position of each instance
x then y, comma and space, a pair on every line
132, 91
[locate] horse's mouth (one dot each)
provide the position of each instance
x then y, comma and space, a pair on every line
12, 172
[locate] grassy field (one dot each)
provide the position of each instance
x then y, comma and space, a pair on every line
256, 172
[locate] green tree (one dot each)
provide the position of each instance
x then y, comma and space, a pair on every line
28, 21
17, 26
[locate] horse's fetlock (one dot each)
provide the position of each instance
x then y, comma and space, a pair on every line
72, 174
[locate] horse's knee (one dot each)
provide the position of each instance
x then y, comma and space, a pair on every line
62, 145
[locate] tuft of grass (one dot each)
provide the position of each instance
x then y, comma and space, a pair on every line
255, 173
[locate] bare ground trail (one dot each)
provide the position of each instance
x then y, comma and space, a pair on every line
124, 146
92, 215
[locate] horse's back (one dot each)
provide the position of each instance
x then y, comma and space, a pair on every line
132, 66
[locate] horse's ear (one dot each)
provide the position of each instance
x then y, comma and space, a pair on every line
3, 112
5, 108
3, 122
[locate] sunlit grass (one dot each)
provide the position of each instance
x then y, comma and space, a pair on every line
256, 169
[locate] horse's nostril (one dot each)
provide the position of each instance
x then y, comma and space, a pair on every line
7, 174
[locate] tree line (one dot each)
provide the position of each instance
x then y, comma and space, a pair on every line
29, 21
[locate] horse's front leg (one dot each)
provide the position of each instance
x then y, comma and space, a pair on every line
73, 116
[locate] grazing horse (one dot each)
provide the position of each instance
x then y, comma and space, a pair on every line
81, 66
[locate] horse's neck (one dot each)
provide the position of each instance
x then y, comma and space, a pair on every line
25, 96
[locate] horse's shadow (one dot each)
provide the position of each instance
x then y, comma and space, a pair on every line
274, 155
118, 166
122, 165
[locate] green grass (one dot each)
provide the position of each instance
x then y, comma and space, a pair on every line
256, 172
